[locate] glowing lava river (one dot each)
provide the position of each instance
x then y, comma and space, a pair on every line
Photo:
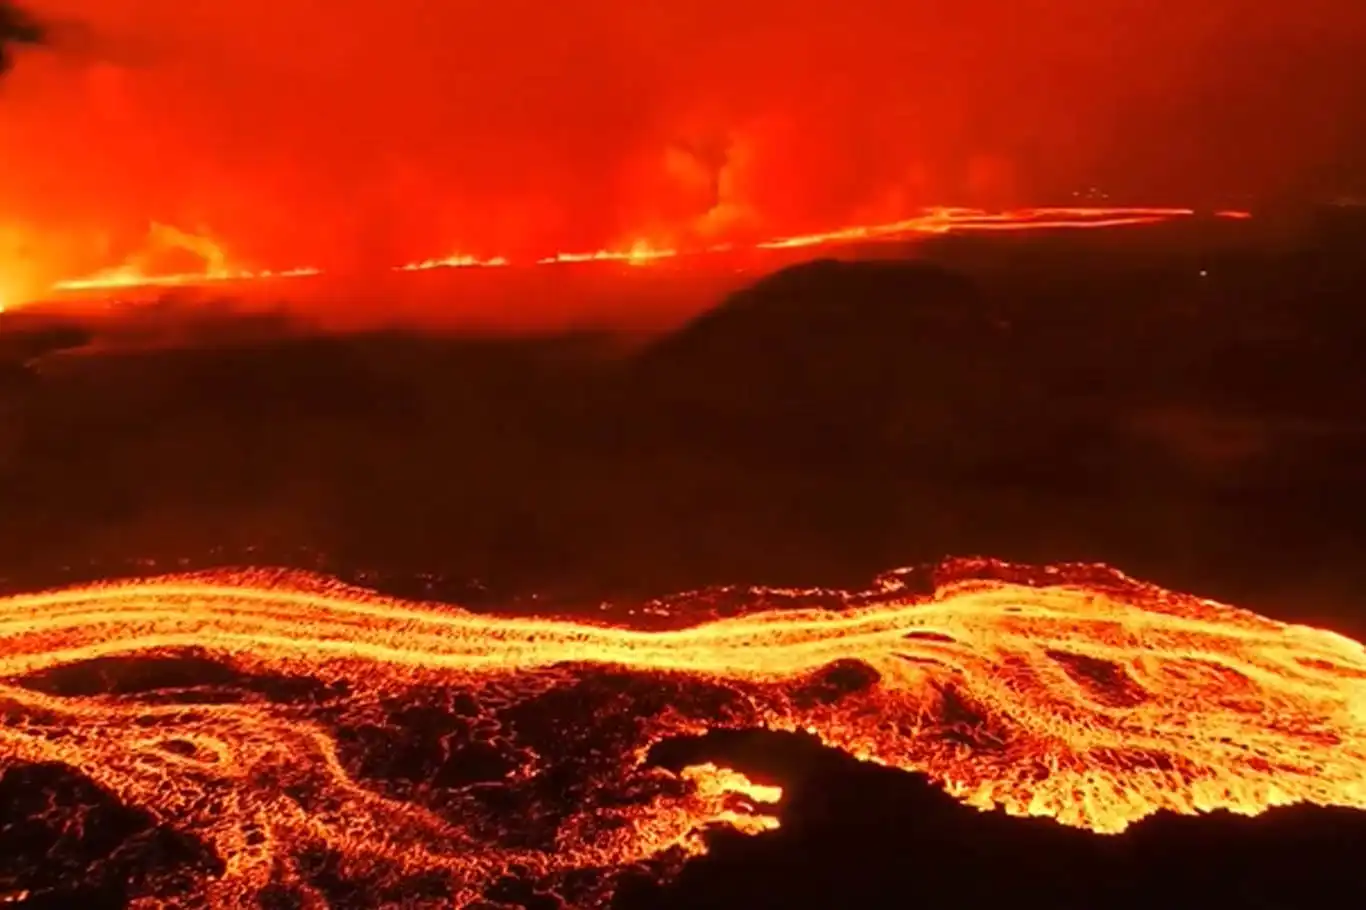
425, 751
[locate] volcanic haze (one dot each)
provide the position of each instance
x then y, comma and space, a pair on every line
341, 133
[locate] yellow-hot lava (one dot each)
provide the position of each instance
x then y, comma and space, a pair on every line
1071, 692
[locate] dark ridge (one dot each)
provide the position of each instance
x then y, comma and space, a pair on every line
821, 357
136, 675
180, 747
791, 324
831, 294
919, 635
956, 710
23, 338
187, 677
1103, 680
860, 835
966, 724
834, 682
917, 659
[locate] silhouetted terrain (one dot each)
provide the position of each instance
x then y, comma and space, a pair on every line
1195, 418
826, 362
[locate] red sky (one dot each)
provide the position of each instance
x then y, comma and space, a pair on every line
335, 131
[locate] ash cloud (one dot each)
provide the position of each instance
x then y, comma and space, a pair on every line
348, 132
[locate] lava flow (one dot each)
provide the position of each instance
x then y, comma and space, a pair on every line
425, 750
138, 272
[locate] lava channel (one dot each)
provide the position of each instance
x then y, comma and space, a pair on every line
415, 749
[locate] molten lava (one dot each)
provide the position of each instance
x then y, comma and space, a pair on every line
283, 716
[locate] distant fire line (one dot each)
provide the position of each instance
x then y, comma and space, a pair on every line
931, 222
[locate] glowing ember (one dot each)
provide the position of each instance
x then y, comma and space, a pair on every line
1070, 692
138, 272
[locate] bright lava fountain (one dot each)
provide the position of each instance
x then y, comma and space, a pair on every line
427, 751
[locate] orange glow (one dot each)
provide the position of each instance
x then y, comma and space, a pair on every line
1072, 693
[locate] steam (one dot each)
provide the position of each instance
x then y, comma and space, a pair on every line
344, 132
